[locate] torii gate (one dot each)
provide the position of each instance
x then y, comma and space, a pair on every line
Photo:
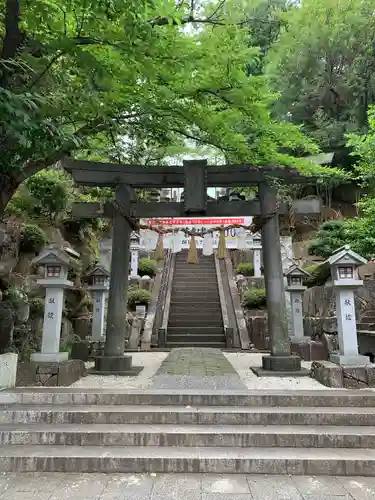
195, 177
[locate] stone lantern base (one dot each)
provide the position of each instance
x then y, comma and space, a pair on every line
343, 359
115, 365
58, 357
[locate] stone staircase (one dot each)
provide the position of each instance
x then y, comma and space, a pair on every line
195, 318
327, 432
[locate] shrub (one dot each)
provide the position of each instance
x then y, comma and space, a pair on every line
52, 190
138, 297
255, 298
147, 267
32, 239
22, 203
36, 307
331, 235
319, 274
246, 269
15, 297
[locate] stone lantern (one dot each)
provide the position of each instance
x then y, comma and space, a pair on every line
257, 255
134, 251
344, 271
295, 276
56, 263
98, 284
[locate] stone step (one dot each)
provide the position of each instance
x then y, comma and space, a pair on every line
199, 286
193, 278
191, 306
365, 326
192, 268
33, 397
197, 321
201, 294
188, 338
209, 345
157, 459
227, 415
189, 435
194, 317
195, 330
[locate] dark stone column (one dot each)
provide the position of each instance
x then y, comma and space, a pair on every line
114, 361
280, 359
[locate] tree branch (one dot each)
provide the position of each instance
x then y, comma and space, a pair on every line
13, 35
54, 59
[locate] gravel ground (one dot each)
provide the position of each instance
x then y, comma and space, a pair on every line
242, 361
151, 362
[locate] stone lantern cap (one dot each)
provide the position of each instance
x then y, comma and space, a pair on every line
134, 241
54, 255
345, 255
56, 262
294, 276
257, 239
98, 277
344, 267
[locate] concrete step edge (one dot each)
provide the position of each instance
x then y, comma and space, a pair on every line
312, 461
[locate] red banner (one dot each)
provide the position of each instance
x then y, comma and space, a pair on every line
197, 222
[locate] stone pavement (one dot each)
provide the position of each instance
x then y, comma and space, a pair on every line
59, 486
194, 368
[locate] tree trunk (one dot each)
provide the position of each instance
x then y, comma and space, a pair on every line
5, 197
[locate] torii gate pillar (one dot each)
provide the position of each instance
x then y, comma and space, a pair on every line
114, 361
280, 359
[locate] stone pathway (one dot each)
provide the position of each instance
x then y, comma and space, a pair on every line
194, 368
151, 362
241, 361
59, 486
234, 366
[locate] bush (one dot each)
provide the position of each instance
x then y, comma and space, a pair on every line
36, 307
331, 235
22, 203
15, 297
52, 190
255, 298
246, 269
138, 297
319, 274
147, 267
32, 239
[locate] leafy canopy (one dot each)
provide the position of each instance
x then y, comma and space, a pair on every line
323, 67
79, 74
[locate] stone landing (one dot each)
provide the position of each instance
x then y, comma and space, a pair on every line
197, 368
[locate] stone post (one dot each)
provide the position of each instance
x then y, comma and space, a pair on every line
280, 358
344, 270
134, 250
294, 276
98, 285
257, 255
56, 263
114, 361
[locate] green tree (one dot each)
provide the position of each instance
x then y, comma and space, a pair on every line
52, 191
77, 75
323, 68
